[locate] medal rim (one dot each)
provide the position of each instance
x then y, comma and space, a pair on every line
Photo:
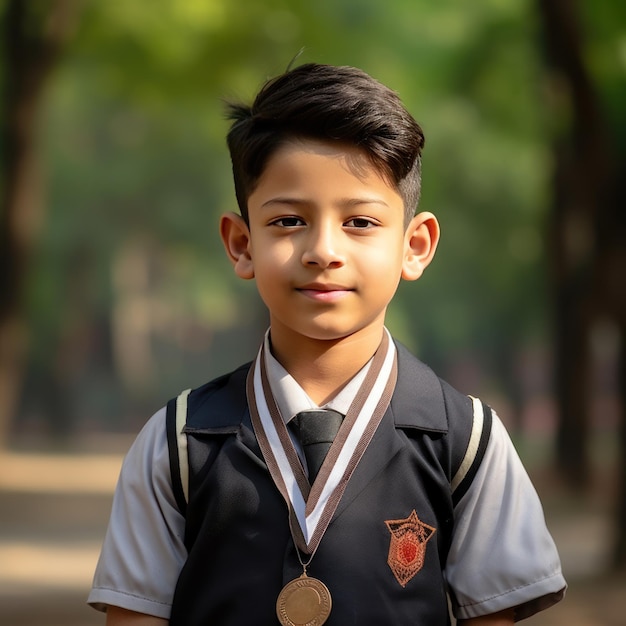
292, 586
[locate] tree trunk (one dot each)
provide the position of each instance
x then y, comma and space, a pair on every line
619, 552
581, 165
33, 35
610, 273
588, 244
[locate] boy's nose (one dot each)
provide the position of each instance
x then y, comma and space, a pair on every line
322, 248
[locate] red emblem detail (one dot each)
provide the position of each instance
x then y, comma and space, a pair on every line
408, 546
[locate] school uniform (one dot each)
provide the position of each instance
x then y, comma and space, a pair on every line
404, 532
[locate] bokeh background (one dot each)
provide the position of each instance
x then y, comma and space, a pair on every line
115, 293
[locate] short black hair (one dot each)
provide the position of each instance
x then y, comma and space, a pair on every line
328, 103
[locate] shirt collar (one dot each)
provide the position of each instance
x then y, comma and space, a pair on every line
292, 399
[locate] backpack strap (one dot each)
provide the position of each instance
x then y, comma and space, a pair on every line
176, 418
475, 451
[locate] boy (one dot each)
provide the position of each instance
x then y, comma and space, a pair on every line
420, 496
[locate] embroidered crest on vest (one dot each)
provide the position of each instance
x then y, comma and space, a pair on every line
408, 546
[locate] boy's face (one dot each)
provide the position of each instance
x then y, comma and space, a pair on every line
326, 243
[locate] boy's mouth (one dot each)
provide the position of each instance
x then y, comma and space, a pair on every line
324, 293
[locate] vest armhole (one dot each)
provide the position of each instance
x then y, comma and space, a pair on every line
476, 447
176, 418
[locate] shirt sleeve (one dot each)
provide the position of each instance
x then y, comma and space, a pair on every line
143, 551
502, 554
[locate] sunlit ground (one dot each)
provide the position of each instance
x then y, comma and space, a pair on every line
76, 474
53, 512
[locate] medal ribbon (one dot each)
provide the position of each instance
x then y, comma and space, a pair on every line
313, 507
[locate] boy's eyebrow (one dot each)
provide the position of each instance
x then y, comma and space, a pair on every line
283, 200
344, 202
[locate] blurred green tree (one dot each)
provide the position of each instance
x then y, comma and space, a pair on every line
135, 152
34, 36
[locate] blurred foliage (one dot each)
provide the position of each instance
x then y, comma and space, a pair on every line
133, 133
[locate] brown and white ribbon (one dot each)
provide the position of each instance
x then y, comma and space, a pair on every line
313, 507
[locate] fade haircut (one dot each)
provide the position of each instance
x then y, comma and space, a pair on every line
327, 103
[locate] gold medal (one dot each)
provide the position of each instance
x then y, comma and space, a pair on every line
303, 602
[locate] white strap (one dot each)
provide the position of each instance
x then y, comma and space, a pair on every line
181, 438
472, 446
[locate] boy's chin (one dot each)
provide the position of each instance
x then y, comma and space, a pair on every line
330, 334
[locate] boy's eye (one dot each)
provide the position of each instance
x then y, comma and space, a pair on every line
288, 222
359, 222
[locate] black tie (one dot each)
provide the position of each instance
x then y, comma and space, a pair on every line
316, 431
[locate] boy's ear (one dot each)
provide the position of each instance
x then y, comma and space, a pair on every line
420, 242
236, 239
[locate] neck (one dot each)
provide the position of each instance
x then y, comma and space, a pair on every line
323, 367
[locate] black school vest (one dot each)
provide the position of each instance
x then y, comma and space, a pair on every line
384, 551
